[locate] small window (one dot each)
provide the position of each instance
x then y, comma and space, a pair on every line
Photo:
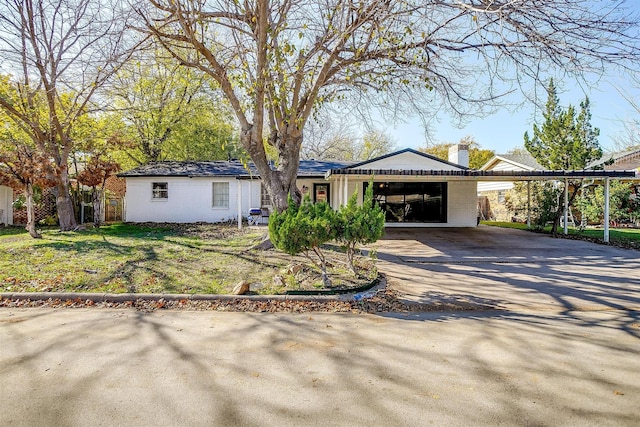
160, 190
502, 196
220, 197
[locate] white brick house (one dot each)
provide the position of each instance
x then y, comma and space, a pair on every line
414, 189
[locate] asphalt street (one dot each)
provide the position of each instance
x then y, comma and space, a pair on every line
93, 367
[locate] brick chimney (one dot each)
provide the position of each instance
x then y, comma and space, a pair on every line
459, 154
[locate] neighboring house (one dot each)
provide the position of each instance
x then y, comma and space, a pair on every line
6, 205
412, 187
44, 209
625, 160
493, 195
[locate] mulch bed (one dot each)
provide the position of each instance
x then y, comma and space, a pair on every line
384, 301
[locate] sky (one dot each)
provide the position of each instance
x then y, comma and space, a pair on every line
505, 129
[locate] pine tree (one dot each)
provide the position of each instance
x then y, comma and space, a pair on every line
566, 140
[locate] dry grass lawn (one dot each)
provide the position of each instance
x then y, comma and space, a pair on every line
200, 258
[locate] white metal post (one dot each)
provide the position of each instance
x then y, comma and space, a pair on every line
606, 210
528, 204
566, 206
239, 204
346, 189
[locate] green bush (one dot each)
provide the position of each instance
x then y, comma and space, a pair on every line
304, 229
360, 225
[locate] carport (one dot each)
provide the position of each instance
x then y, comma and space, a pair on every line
362, 176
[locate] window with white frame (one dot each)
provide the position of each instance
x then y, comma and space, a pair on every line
159, 190
220, 195
265, 199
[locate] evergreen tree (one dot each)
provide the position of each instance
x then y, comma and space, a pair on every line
566, 140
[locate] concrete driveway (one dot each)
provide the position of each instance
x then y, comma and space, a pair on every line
512, 269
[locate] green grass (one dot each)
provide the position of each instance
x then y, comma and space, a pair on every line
130, 258
621, 236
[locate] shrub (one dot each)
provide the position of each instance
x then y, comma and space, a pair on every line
360, 224
304, 229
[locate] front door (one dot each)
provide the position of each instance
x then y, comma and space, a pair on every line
320, 193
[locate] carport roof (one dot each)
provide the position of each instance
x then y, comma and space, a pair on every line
480, 175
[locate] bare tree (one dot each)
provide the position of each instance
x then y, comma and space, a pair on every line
57, 54
629, 138
327, 137
278, 61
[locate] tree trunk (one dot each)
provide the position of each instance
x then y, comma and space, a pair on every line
280, 182
64, 204
97, 207
31, 214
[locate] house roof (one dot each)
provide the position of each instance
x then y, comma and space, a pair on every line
233, 168
620, 156
406, 150
522, 160
480, 175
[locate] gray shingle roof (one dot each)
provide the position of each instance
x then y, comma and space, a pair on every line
616, 156
525, 159
233, 168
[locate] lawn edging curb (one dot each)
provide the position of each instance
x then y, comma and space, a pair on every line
120, 298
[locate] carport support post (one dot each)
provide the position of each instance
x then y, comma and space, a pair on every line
346, 190
606, 210
239, 205
528, 204
566, 206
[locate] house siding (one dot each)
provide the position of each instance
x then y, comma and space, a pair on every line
6, 206
409, 160
462, 204
190, 199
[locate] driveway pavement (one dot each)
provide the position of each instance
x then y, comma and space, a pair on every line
512, 269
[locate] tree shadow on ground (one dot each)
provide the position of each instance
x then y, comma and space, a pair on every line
250, 369
570, 278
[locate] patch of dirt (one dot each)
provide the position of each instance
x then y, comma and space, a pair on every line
203, 230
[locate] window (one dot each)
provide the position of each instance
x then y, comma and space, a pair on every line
220, 198
321, 193
412, 201
265, 200
159, 190
502, 196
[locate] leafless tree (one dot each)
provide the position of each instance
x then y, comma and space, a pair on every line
327, 137
278, 61
56, 55
629, 138
336, 139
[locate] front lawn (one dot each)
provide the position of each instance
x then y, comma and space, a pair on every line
118, 258
624, 237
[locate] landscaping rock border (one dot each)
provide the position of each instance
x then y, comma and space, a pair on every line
379, 300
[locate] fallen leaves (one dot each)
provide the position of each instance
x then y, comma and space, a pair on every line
383, 301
